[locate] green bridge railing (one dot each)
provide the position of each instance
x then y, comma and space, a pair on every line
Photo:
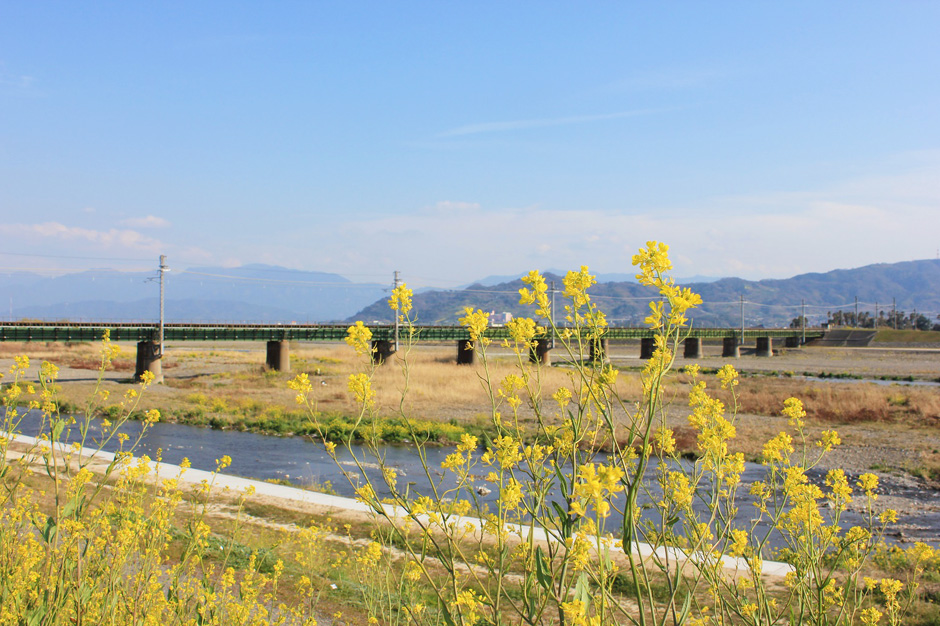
91, 331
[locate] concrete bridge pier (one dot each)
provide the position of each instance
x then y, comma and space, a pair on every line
647, 347
693, 348
598, 349
382, 350
541, 352
792, 342
148, 360
278, 356
465, 352
765, 346
730, 348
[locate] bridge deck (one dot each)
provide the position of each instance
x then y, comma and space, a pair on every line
90, 331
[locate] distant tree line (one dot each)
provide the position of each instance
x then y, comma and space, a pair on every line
884, 319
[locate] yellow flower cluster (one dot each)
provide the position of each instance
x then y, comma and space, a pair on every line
595, 485
360, 385
476, 323
576, 612
576, 286
653, 262
505, 452
562, 396
359, 337
522, 333
401, 300
537, 295
469, 605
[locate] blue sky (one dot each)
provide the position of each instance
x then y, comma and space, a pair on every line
452, 140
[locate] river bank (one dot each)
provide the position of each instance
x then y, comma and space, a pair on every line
227, 380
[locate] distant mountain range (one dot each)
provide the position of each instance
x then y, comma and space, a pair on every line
491, 281
257, 293
913, 285
265, 293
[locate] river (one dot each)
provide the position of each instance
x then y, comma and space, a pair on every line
304, 462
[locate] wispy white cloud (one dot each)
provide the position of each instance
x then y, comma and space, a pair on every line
107, 239
150, 221
857, 222
496, 127
17, 84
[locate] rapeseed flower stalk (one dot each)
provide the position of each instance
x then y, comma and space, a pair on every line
676, 519
84, 543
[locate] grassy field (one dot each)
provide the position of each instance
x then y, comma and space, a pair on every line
907, 336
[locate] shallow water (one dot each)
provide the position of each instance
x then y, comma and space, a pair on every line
304, 462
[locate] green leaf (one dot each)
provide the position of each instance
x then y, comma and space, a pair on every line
627, 541
542, 572
34, 617
562, 515
686, 607
49, 532
582, 590
73, 505
57, 429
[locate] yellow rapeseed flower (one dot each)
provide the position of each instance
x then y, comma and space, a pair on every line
793, 409
476, 323
401, 299
537, 295
360, 385
359, 337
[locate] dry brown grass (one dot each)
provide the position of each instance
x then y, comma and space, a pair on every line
439, 389
841, 402
85, 356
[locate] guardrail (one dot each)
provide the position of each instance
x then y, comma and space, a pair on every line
90, 331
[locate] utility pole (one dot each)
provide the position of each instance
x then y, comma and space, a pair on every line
163, 270
856, 312
874, 323
397, 282
803, 320
741, 340
894, 312
552, 318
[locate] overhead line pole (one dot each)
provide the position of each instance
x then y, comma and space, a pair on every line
803, 320
552, 320
397, 282
163, 271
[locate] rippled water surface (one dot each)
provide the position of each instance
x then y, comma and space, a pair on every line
305, 462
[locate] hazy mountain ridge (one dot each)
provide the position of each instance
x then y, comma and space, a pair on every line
266, 293
772, 302
249, 293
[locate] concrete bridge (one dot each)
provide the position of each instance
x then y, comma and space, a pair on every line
279, 336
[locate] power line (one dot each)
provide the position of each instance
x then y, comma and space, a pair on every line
63, 256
